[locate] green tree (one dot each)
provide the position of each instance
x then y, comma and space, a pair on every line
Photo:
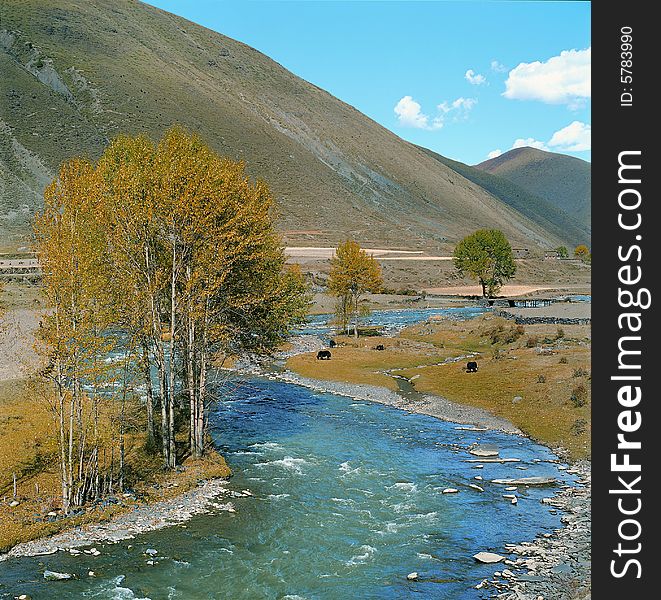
353, 273
562, 252
487, 256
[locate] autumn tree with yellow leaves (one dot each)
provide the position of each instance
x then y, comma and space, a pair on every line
353, 273
168, 253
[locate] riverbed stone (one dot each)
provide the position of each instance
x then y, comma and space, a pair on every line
412, 576
56, 576
488, 557
450, 491
484, 451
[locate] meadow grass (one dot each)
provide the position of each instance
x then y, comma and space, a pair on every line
527, 375
28, 448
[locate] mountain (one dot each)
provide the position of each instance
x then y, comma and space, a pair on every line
535, 207
561, 180
76, 73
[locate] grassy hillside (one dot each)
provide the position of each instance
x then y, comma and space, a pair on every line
563, 181
77, 73
533, 206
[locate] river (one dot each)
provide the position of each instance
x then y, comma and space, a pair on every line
347, 500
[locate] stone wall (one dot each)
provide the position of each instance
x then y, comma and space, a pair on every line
519, 320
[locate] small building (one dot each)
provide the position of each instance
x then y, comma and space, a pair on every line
521, 252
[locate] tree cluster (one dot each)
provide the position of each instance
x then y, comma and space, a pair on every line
159, 261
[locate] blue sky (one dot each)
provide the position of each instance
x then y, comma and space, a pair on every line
466, 79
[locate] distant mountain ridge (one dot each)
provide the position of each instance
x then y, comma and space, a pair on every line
75, 74
535, 207
563, 181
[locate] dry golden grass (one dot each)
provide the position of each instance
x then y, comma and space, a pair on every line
356, 361
541, 364
28, 448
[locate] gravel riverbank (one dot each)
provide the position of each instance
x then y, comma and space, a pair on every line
149, 517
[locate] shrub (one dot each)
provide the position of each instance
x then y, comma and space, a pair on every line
563, 360
579, 426
560, 333
541, 379
580, 372
579, 396
532, 341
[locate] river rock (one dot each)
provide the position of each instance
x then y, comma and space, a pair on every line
494, 459
14, 503
412, 576
450, 491
484, 451
527, 481
478, 477
488, 557
55, 576
515, 500
476, 487
151, 552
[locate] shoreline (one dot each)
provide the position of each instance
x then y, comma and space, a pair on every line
125, 526
552, 565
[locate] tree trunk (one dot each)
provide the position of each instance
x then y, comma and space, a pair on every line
201, 398
146, 373
159, 355
172, 370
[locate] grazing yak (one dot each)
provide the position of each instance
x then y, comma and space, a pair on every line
323, 355
471, 367
332, 344
379, 347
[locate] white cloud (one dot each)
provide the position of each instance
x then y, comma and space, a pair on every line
461, 104
530, 142
409, 112
576, 137
498, 67
495, 153
474, 78
563, 79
